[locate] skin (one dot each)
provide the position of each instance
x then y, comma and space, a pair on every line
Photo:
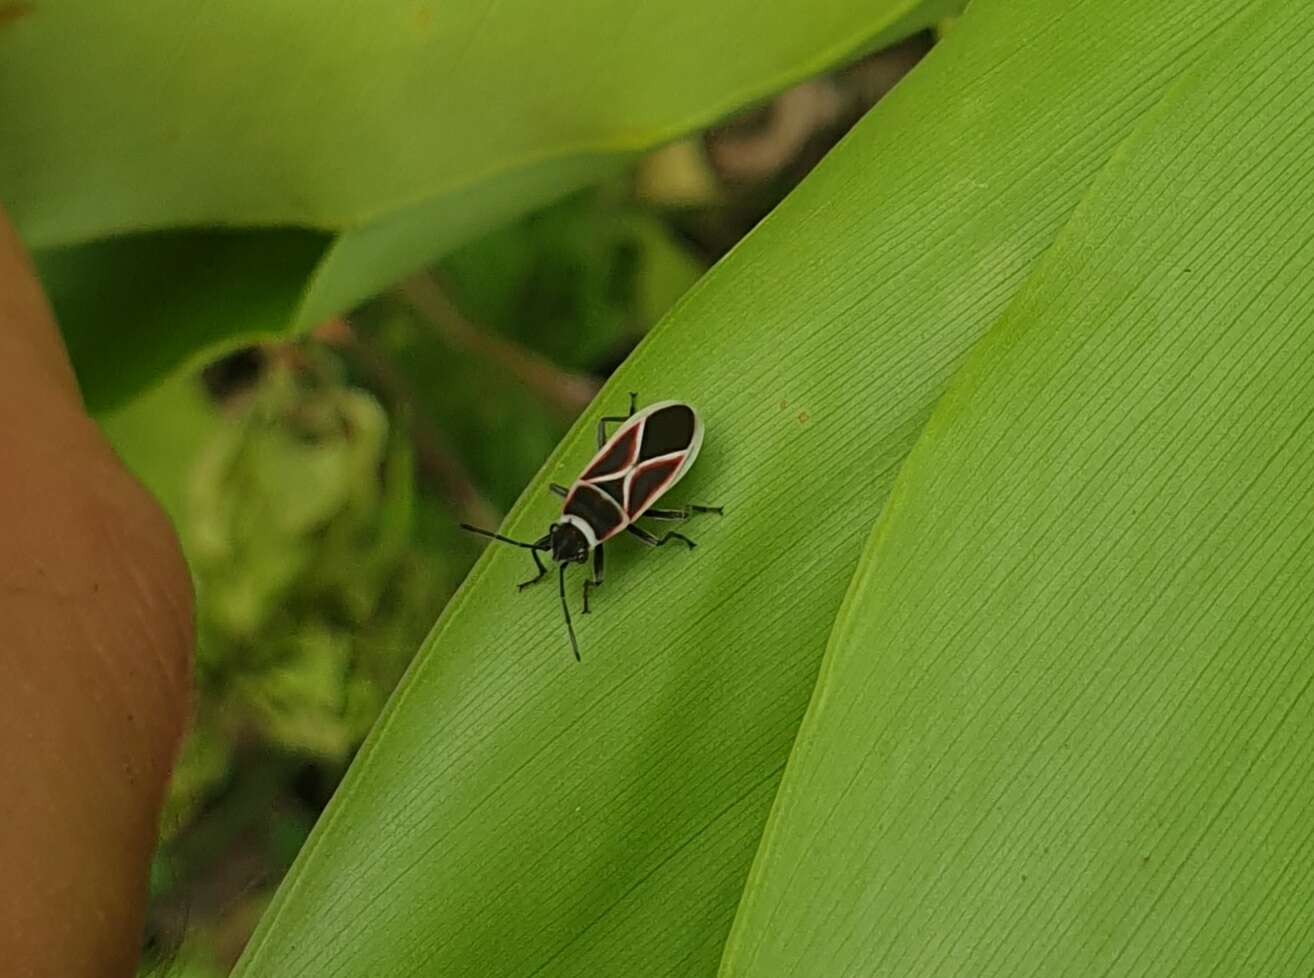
96, 641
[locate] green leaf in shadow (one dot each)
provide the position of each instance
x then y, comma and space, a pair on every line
137, 308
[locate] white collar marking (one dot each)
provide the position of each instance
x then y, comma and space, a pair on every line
583, 527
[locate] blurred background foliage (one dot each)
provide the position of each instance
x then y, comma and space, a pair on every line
316, 484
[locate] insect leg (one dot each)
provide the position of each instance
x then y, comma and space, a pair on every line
537, 563
541, 543
559, 489
596, 581
653, 541
616, 419
683, 513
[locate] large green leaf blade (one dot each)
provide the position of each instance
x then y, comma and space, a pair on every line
331, 117
1065, 724
515, 814
386, 133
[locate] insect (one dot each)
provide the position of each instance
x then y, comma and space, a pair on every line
650, 452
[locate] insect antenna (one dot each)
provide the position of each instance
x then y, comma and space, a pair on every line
497, 536
565, 610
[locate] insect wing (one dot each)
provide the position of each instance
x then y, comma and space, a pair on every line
672, 435
618, 455
648, 481
669, 427
644, 457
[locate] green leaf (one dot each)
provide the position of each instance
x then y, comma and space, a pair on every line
516, 814
467, 399
159, 436
136, 309
576, 281
118, 119
1065, 723
386, 134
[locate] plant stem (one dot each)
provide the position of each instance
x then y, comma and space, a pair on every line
439, 465
564, 391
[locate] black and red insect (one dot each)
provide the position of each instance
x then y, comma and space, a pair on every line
650, 452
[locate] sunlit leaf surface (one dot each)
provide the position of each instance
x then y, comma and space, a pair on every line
516, 814
1064, 727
